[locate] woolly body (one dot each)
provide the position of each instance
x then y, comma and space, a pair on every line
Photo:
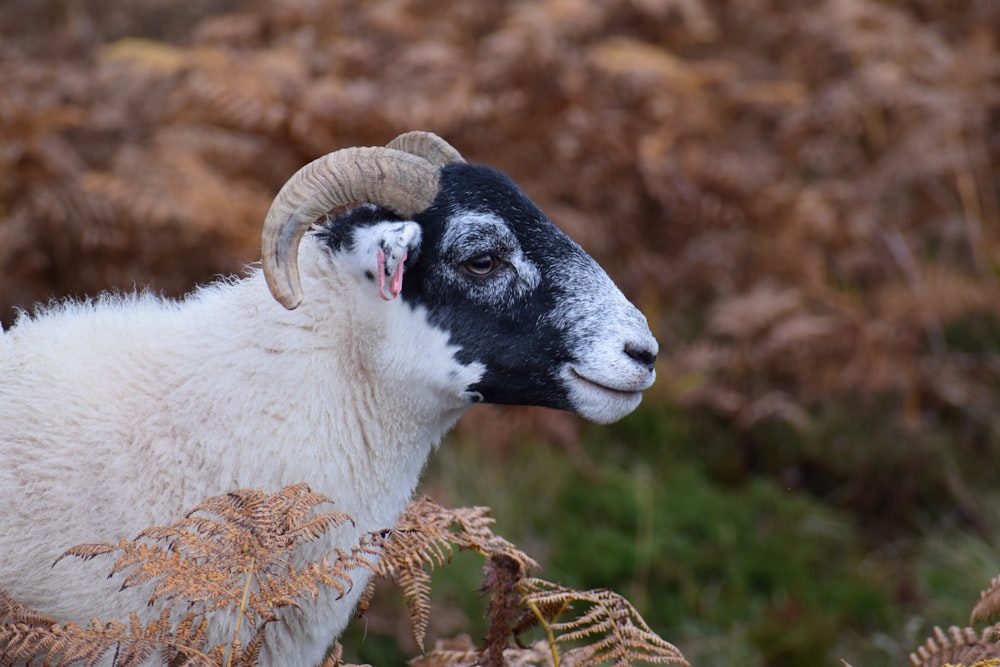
126, 411
111, 388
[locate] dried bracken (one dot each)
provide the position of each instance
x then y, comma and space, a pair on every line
966, 646
610, 628
236, 554
823, 173
606, 625
582, 629
989, 603
208, 558
131, 644
424, 538
959, 646
231, 554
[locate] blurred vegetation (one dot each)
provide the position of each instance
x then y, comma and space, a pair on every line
803, 196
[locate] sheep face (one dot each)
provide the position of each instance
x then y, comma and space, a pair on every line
515, 295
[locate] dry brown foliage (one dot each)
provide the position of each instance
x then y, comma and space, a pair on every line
803, 196
959, 646
425, 538
966, 646
989, 603
609, 628
235, 554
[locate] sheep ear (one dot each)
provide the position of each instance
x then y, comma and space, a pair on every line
382, 251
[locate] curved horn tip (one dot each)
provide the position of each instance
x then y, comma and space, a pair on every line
289, 301
284, 291
427, 145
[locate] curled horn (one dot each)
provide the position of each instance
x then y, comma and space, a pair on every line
399, 180
427, 145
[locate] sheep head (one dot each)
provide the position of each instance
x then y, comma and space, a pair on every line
516, 296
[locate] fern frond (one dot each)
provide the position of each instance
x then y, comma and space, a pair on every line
206, 558
336, 656
457, 652
12, 611
193, 630
425, 538
613, 628
59, 645
989, 602
89, 551
416, 584
958, 646
403, 558
288, 587
235, 551
249, 656
433, 530
365, 601
255, 524
213, 558
179, 577
157, 632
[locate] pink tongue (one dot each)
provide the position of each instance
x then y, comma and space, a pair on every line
395, 283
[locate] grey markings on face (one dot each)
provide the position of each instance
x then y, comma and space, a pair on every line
474, 234
590, 305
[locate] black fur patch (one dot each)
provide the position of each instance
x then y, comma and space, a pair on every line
511, 337
337, 231
521, 353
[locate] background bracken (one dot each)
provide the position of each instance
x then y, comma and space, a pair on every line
816, 180
802, 195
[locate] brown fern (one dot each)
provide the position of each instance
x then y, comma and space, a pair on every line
462, 652
12, 611
234, 552
609, 629
958, 646
989, 603
424, 538
230, 552
609, 625
208, 557
60, 645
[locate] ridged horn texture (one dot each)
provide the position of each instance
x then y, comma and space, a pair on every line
398, 180
427, 145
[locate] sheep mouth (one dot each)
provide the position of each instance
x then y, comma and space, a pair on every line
586, 381
601, 402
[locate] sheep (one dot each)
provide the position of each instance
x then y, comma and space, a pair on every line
341, 361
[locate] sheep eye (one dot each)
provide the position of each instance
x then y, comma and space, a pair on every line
480, 266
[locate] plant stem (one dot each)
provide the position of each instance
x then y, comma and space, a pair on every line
242, 610
548, 631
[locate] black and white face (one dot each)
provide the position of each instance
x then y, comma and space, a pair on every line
516, 296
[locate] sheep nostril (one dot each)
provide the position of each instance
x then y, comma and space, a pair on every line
641, 355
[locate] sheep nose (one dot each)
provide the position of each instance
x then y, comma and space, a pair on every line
641, 354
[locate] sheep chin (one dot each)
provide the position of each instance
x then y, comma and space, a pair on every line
599, 400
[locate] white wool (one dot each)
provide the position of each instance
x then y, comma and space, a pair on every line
125, 412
